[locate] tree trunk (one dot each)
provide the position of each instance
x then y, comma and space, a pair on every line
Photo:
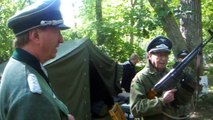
169, 23
132, 22
99, 21
190, 33
191, 29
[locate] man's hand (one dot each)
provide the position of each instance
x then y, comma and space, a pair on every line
70, 117
168, 96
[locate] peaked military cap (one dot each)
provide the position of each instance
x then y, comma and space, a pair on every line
182, 53
41, 13
159, 44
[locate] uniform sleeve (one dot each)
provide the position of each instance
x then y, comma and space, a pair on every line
140, 105
33, 107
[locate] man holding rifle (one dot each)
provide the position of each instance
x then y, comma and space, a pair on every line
169, 104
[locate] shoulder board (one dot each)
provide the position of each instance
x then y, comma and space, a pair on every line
33, 84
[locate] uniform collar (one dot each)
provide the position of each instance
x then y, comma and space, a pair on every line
24, 56
152, 70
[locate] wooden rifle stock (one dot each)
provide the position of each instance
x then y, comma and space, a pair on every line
152, 93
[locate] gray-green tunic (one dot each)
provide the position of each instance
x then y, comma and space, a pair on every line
20, 102
154, 109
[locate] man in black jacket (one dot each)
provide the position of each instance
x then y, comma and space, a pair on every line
129, 71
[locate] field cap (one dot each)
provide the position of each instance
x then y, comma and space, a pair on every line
40, 14
159, 44
183, 53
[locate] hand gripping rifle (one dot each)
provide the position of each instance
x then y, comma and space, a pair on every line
169, 79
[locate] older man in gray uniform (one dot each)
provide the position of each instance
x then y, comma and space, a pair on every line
25, 92
167, 105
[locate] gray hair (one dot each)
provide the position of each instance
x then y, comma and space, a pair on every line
21, 40
134, 56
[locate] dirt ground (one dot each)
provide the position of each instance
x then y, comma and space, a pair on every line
204, 107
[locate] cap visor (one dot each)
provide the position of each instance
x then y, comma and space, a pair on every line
160, 50
63, 26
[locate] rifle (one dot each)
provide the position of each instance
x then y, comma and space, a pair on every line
169, 79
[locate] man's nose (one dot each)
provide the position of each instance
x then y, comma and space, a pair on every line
61, 39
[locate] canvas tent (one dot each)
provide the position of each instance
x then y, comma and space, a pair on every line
84, 78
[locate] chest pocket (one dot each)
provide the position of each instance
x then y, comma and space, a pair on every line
149, 81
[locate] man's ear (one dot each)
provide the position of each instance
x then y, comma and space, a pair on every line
149, 55
34, 35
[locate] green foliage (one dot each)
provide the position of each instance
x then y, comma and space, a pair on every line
7, 9
70, 34
127, 27
6, 36
119, 50
120, 20
207, 16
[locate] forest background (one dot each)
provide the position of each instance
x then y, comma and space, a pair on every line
121, 27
